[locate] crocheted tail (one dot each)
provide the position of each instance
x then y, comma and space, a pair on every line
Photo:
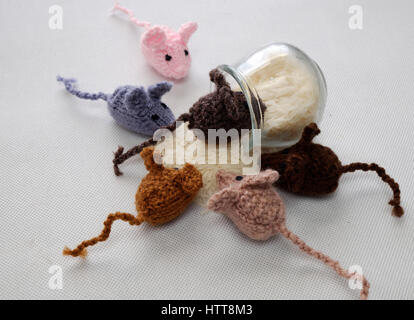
70, 85
80, 250
120, 156
397, 211
131, 16
326, 260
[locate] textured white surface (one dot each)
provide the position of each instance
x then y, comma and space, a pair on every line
57, 184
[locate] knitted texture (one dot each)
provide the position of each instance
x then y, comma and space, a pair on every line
221, 109
134, 108
311, 169
250, 202
164, 49
257, 210
162, 195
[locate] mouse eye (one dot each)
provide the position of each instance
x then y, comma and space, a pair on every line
168, 57
164, 105
186, 52
155, 117
239, 178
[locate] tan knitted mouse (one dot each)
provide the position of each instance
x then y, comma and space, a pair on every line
162, 195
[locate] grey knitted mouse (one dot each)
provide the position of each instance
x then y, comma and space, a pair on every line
134, 108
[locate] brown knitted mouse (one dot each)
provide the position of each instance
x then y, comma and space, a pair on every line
221, 109
311, 169
162, 195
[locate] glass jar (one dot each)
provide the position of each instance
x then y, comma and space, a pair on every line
285, 90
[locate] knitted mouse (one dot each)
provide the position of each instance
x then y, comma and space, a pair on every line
311, 169
256, 209
165, 50
162, 195
134, 108
221, 109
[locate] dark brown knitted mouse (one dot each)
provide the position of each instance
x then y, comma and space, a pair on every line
311, 169
221, 109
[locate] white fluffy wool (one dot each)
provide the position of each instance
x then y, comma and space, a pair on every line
290, 92
168, 147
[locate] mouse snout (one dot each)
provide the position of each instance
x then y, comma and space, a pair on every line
166, 119
180, 71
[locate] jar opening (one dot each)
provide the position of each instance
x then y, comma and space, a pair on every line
285, 90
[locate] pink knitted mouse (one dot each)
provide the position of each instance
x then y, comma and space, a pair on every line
257, 210
165, 49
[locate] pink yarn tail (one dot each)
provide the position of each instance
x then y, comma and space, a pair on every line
326, 260
131, 16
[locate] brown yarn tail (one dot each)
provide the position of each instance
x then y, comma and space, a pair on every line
80, 250
326, 260
120, 156
397, 211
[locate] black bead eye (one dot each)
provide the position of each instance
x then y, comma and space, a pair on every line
168, 57
239, 178
164, 105
155, 117
186, 52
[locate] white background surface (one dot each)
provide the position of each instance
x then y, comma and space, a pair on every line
57, 184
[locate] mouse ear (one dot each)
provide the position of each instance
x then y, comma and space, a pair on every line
309, 132
218, 79
148, 155
190, 179
136, 98
155, 38
231, 100
222, 199
186, 31
156, 91
264, 178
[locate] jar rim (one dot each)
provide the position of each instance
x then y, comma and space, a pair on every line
239, 73
249, 92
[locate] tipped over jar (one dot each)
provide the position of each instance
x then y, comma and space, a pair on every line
285, 90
